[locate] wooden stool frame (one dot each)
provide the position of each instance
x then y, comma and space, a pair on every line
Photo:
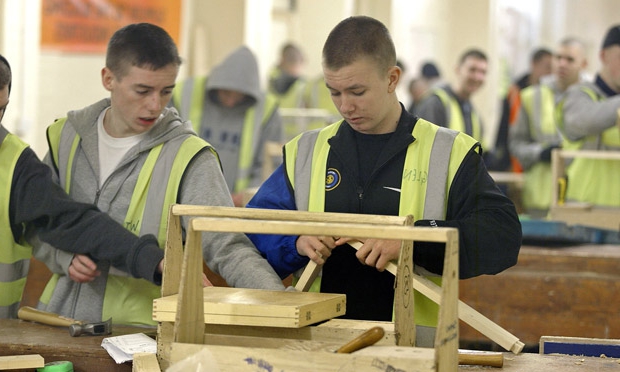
189, 324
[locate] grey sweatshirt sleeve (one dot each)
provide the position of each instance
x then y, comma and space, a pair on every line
53, 217
231, 255
520, 141
585, 117
433, 110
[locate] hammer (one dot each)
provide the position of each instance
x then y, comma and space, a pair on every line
76, 327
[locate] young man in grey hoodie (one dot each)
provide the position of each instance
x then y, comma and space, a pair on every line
234, 115
133, 157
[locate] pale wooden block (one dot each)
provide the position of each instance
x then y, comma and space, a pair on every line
21, 361
586, 215
256, 307
145, 362
231, 358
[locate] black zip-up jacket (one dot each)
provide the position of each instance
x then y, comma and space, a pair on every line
371, 169
489, 227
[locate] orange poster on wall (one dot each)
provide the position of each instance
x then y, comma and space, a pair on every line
87, 25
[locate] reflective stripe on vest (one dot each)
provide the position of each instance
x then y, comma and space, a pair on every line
454, 115
539, 103
429, 165
14, 257
146, 214
189, 96
148, 209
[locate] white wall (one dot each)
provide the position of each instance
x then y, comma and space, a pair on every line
47, 85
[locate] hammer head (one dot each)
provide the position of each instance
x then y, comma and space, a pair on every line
94, 329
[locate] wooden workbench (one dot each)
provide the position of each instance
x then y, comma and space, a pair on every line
563, 291
18, 337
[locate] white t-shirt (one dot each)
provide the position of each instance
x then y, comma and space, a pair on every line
112, 149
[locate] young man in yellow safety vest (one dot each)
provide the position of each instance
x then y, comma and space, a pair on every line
133, 157
534, 133
32, 206
587, 118
382, 160
229, 109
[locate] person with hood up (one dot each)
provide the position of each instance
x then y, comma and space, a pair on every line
230, 111
134, 157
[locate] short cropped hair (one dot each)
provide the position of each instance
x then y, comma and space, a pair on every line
142, 45
472, 53
358, 37
541, 53
291, 54
5, 73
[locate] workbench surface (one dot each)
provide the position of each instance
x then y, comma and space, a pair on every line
530, 362
18, 337
552, 291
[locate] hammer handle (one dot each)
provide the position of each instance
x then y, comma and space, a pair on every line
44, 317
370, 337
481, 359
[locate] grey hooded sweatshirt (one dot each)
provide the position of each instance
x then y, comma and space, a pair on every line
222, 126
231, 255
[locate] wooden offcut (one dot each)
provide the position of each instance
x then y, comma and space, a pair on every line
255, 307
21, 361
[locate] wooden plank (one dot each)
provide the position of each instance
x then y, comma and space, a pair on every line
145, 362
21, 361
404, 317
171, 278
594, 347
362, 230
244, 306
447, 336
230, 358
189, 317
276, 214
466, 313
587, 215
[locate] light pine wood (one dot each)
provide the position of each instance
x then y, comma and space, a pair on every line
21, 361
447, 335
255, 307
233, 359
145, 362
189, 317
292, 223
171, 278
44, 317
404, 305
465, 312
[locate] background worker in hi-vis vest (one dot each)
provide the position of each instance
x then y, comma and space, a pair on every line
450, 106
587, 119
534, 133
229, 109
382, 160
133, 157
32, 206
